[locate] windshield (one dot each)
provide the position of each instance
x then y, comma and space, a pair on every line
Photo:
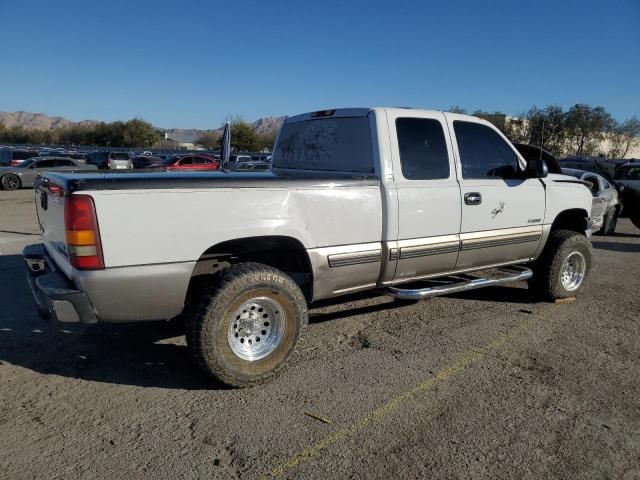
170, 160
25, 164
628, 173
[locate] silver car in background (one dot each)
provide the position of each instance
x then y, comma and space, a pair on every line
606, 201
24, 174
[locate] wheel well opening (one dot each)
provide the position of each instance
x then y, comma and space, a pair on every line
284, 253
575, 220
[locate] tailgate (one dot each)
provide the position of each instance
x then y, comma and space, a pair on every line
50, 208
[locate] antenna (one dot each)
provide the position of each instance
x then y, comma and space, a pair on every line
542, 138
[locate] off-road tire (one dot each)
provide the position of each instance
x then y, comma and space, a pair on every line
10, 181
208, 327
547, 269
610, 222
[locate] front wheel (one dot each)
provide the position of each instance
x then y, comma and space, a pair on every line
10, 181
563, 268
248, 325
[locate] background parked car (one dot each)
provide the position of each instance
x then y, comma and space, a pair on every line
251, 167
531, 151
14, 157
144, 161
189, 162
24, 175
628, 178
110, 160
606, 202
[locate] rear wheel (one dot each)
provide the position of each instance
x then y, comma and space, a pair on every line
563, 268
248, 325
10, 181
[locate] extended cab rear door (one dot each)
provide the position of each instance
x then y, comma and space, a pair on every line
502, 211
428, 194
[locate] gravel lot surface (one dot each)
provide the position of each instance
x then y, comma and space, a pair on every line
485, 384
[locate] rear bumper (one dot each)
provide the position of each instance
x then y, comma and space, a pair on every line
54, 294
123, 294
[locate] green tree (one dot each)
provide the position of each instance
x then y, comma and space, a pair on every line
457, 109
624, 137
547, 128
243, 137
138, 133
586, 127
209, 140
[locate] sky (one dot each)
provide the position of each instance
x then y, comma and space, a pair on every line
191, 64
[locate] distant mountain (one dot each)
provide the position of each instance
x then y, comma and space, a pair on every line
28, 120
184, 135
268, 125
37, 121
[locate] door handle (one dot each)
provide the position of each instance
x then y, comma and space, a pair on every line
473, 198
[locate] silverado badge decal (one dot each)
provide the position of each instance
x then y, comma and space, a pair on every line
497, 210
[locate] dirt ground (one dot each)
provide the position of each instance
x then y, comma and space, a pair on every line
484, 384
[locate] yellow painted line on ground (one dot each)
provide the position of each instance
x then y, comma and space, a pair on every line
468, 359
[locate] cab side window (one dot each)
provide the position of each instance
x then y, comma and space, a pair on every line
45, 164
483, 153
423, 150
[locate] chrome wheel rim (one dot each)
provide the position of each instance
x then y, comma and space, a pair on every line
256, 329
573, 270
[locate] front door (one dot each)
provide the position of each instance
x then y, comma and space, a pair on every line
502, 211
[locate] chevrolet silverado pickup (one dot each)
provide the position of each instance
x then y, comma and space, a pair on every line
409, 203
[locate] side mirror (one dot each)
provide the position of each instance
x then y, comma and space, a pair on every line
537, 168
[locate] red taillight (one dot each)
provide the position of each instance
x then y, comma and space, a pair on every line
109, 163
55, 189
15, 163
83, 235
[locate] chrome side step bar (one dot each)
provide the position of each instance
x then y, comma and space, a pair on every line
503, 275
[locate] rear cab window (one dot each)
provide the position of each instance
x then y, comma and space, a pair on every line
332, 144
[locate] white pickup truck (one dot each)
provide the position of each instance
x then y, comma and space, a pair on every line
412, 203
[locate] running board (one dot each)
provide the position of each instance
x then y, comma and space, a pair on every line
503, 275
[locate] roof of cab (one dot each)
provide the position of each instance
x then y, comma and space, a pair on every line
362, 112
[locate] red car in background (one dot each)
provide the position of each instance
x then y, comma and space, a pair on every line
189, 162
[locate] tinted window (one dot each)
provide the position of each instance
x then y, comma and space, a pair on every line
423, 151
332, 144
26, 164
18, 155
63, 163
45, 164
483, 153
98, 157
119, 156
186, 161
201, 160
628, 173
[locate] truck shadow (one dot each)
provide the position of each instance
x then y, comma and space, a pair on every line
144, 354
616, 247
